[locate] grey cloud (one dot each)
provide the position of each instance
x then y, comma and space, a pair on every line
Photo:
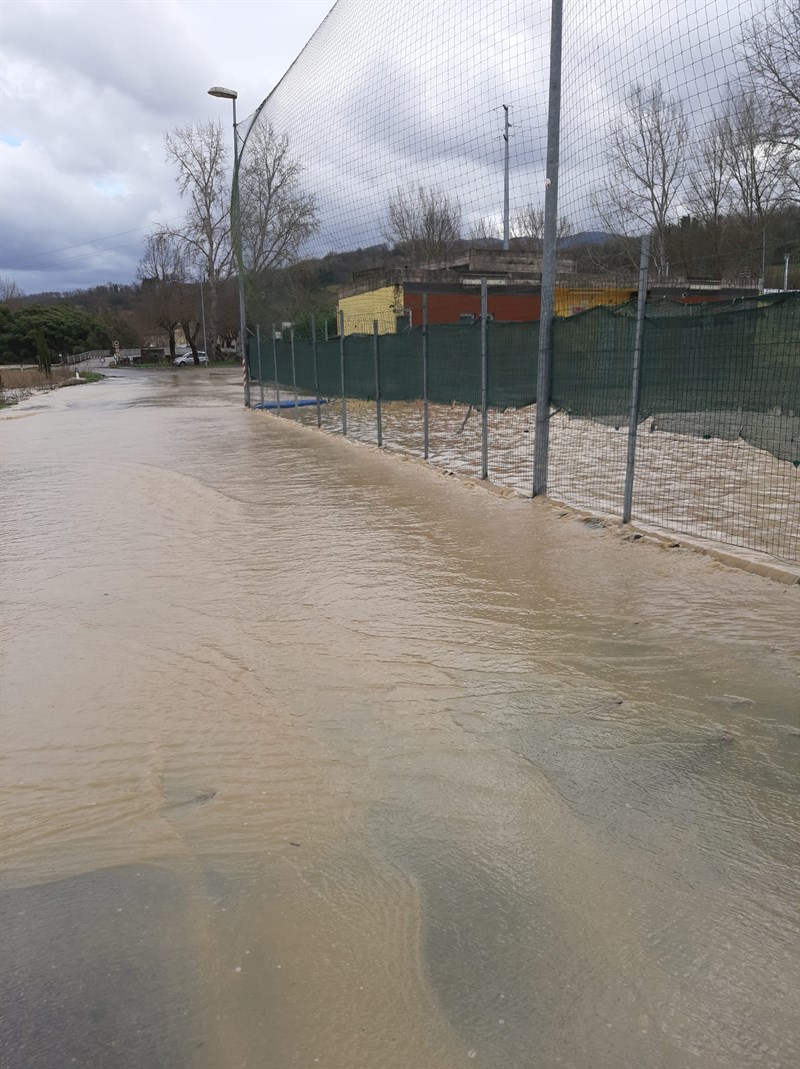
375, 102
89, 90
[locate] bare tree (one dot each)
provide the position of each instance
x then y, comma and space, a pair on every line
528, 229
770, 48
759, 161
426, 224
646, 153
755, 156
9, 290
161, 273
485, 233
200, 155
709, 185
277, 216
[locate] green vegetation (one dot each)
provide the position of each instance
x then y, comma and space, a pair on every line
42, 353
86, 376
38, 333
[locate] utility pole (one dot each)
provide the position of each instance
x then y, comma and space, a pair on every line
507, 127
762, 282
544, 371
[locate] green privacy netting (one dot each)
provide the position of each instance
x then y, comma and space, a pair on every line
723, 369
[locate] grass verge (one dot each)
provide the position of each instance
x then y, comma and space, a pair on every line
17, 383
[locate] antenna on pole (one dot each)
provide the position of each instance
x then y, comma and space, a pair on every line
506, 128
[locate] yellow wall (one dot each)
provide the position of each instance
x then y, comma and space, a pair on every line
382, 304
386, 303
572, 299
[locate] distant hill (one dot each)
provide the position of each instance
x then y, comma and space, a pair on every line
586, 237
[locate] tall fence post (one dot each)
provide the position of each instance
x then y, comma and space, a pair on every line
376, 351
484, 380
633, 421
316, 367
544, 370
275, 361
425, 426
260, 375
294, 370
341, 362
326, 328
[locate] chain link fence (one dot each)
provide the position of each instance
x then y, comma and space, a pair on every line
716, 430
449, 214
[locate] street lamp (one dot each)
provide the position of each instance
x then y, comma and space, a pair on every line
231, 94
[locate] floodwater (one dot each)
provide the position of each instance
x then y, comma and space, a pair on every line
716, 487
315, 757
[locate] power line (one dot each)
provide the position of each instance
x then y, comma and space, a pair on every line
90, 241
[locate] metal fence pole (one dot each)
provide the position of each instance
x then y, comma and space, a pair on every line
275, 361
341, 362
316, 367
544, 370
326, 328
377, 355
425, 425
294, 370
484, 380
637, 376
260, 376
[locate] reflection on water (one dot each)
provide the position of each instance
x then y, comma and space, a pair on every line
312, 757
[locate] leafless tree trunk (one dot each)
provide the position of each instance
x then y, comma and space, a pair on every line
190, 320
424, 223
646, 155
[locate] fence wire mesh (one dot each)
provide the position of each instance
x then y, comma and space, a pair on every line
398, 170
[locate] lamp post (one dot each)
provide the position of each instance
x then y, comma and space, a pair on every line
203, 317
231, 94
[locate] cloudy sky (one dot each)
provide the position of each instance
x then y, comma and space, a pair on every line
88, 90
376, 103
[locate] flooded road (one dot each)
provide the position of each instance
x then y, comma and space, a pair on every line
314, 757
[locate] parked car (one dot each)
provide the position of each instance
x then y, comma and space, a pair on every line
186, 359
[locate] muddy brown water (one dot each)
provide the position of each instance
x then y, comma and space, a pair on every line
312, 756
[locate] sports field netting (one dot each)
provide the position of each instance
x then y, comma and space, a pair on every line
403, 161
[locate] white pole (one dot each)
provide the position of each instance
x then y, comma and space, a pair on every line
240, 264
505, 184
231, 94
203, 317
